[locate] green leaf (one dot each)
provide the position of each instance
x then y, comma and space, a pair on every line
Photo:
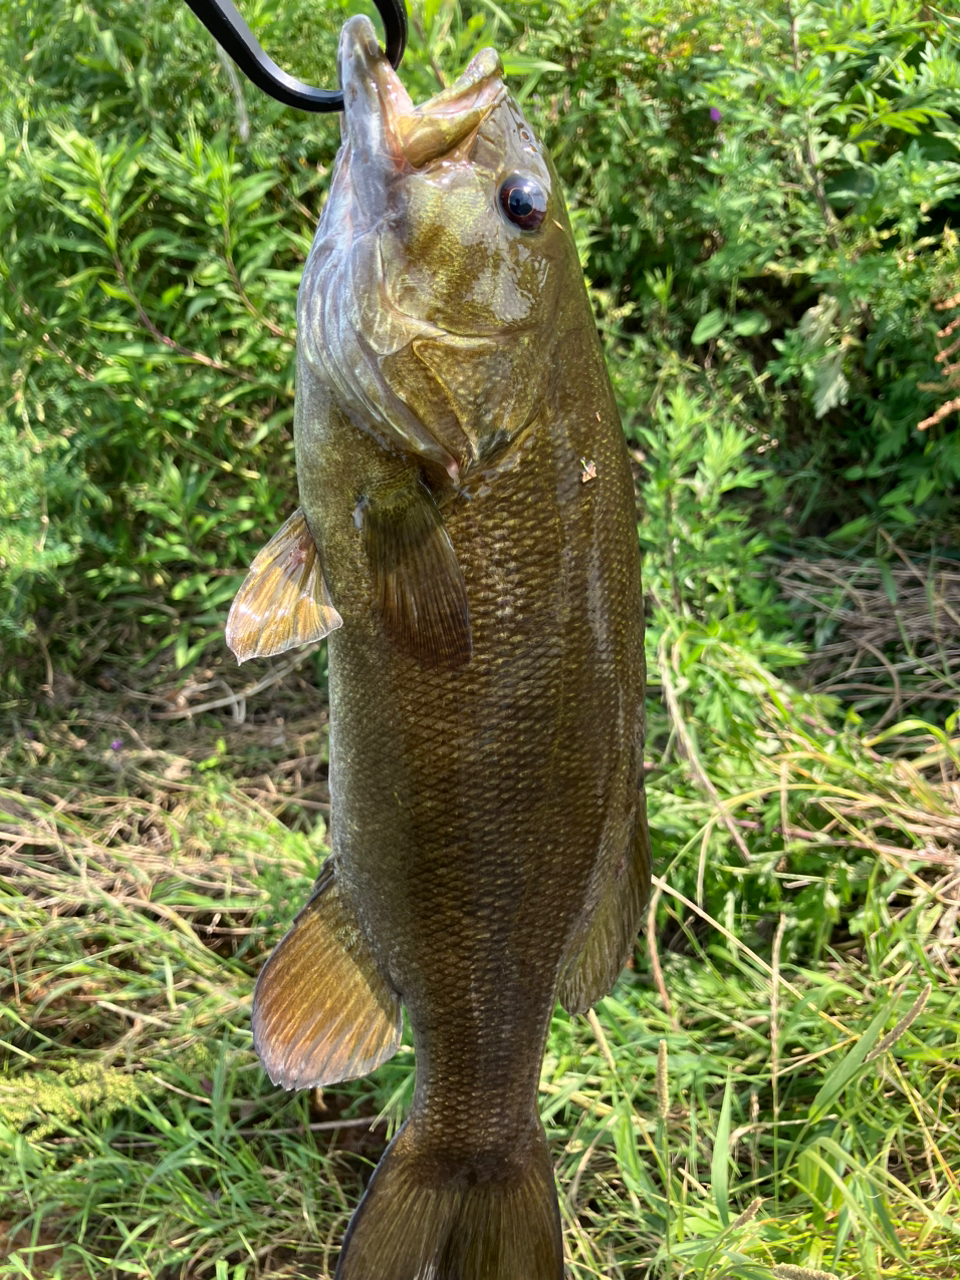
925, 487
851, 530
847, 1069
749, 323
709, 326
720, 1161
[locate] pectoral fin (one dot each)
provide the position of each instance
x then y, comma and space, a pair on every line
322, 1011
418, 581
284, 601
597, 962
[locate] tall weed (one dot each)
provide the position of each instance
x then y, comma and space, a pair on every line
763, 200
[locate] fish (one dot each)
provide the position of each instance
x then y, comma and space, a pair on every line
467, 542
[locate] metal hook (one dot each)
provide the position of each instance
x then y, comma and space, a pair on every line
228, 28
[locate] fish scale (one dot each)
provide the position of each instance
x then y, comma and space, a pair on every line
467, 539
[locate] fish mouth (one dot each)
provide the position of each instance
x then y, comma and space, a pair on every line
381, 120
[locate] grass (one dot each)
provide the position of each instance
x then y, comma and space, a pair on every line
770, 1091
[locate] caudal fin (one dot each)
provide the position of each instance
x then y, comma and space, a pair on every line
429, 1218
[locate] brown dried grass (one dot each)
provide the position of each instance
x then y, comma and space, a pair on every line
891, 631
949, 357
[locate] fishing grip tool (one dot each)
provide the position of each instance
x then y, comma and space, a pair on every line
225, 24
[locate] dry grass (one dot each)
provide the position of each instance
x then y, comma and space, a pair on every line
885, 635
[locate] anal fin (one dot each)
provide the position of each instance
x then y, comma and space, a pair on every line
596, 965
418, 581
322, 1011
283, 601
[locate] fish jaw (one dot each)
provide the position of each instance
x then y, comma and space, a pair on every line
380, 121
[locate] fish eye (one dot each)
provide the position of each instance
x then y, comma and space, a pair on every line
523, 201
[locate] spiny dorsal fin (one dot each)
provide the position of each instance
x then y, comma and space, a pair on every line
322, 1010
418, 581
284, 601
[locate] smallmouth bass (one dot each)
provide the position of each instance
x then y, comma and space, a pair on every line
467, 539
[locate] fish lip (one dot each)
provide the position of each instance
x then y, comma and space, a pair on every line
380, 117
372, 93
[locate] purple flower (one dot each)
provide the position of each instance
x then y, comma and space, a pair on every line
715, 115
116, 744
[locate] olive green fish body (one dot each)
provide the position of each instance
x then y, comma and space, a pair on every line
468, 503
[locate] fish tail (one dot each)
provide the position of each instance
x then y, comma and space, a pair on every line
444, 1217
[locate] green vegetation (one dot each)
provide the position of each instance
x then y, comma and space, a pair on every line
766, 201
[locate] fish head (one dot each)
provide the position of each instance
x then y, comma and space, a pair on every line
440, 261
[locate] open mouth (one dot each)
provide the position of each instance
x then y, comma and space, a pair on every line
381, 117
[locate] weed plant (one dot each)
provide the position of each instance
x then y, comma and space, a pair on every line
763, 199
